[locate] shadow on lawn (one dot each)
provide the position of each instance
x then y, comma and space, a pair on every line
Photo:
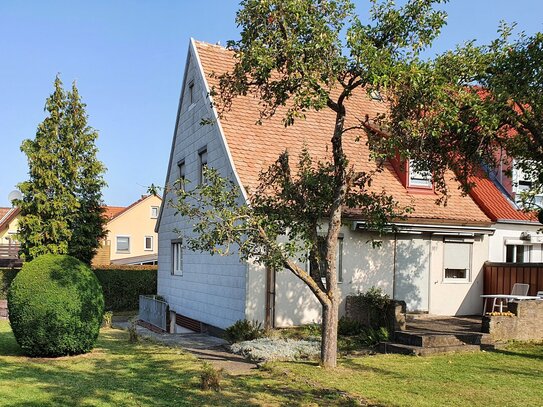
145, 374
8, 346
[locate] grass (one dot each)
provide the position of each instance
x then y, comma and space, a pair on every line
118, 373
510, 377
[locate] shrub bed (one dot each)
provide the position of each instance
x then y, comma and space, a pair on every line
55, 307
269, 349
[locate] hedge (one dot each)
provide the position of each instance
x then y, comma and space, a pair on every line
122, 285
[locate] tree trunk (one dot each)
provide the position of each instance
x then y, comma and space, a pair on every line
329, 332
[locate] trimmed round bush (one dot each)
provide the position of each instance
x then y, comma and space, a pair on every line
55, 307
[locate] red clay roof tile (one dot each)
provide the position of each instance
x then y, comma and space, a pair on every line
255, 147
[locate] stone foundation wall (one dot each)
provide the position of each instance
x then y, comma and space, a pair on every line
525, 324
395, 313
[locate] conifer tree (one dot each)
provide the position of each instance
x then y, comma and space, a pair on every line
61, 207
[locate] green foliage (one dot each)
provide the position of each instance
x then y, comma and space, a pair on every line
210, 377
470, 107
372, 336
122, 287
306, 55
133, 330
55, 307
349, 327
61, 207
107, 319
6, 277
376, 298
243, 330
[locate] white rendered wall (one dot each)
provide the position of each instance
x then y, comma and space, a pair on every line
416, 268
512, 231
212, 289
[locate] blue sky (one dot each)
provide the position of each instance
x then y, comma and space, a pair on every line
128, 59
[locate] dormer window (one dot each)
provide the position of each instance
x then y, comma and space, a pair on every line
418, 178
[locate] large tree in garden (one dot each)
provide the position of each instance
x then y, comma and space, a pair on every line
304, 55
61, 207
467, 108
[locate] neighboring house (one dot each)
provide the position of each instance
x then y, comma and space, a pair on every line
131, 237
9, 219
517, 237
434, 262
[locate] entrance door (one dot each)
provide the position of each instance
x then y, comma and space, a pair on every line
412, 272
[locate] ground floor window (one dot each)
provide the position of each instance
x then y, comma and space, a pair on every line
517, 253
457, 261
177, 258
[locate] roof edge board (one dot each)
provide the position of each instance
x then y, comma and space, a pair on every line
219, 125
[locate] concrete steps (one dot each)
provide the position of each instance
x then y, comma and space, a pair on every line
432, 343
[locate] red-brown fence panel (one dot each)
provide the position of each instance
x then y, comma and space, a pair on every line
500, 277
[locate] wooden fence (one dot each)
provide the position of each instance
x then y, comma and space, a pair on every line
500, 277
10, 251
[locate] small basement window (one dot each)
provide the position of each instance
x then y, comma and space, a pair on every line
457, 261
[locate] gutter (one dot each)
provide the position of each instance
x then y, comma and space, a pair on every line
444, 230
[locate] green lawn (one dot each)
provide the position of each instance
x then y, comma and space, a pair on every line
118, 373
510, 377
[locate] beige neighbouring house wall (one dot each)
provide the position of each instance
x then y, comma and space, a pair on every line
135, 222
7, 234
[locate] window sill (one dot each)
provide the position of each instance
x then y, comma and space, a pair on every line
455, 281
121, 252
148, 250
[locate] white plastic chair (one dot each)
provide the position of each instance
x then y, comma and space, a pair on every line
518, 289
540, 295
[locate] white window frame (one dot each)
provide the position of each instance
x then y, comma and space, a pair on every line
339, 260
154, 212
418, 179
177, 257
145, 243
182, 170
117, 250
202, 163
467, 278
527, 251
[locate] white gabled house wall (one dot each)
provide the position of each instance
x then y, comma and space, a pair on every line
211, 289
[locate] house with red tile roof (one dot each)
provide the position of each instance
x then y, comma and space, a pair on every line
433, 262
517, 236
131, 236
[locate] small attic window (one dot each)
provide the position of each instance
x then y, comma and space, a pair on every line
191, 92
376, 95
419, 179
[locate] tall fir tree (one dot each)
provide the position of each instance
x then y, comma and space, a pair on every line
61, 208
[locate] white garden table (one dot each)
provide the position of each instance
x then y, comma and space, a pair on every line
504, 298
